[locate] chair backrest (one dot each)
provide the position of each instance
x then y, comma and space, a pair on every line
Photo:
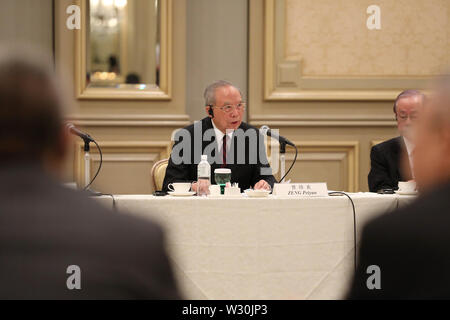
158, 173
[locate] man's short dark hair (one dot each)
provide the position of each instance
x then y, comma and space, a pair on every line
30, 108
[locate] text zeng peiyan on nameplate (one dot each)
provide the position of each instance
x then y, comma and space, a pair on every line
301, 190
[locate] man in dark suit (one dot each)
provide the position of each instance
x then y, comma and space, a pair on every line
391, 161
56, 243
406, 254
386, 165
223, 129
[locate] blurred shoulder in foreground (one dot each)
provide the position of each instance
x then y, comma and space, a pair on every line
44, 227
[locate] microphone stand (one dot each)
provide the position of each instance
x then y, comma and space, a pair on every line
282, 160
87, 169
282, 142
87, 163
87, 159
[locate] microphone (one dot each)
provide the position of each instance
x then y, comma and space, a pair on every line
266, 130
73, 130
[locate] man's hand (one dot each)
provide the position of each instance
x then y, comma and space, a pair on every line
262, 184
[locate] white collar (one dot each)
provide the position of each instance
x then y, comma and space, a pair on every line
409, 146
220, 134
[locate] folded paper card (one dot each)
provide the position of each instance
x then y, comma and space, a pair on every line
315, 189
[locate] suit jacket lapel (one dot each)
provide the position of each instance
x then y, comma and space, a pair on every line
207, 125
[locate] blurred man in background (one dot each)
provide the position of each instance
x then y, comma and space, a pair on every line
47, 232
388, 165
411, 247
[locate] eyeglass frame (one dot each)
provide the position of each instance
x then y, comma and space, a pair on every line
228, 105
412, 117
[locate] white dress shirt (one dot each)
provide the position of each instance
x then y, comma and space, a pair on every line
409, 149
219, 136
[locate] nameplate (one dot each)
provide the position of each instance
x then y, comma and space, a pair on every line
301, 190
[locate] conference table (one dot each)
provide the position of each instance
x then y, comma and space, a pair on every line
260, 248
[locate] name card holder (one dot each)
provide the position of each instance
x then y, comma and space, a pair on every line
301, 190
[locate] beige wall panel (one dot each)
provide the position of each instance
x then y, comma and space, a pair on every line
26, 22
339, 134
217, 48
333, 162
339, 117
66, 56
331, 38
117, 170
331, 172
126, 166
348, 61
133, 133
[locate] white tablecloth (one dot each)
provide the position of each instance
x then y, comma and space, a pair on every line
271, 248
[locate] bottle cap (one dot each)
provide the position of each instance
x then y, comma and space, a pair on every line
204, 157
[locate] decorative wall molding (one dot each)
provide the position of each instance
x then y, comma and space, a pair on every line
129, 120
122, 151
283, 80
344, 152
320, 120
311, 108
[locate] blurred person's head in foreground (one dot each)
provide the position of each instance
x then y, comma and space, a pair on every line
31, 110
432, 138
44, 227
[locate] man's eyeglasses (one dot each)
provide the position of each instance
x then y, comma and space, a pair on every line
404, 117
229, 107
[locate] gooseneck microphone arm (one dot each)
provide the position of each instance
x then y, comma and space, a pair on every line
292, 164
73, 130
87, 139
283, 142
266, 130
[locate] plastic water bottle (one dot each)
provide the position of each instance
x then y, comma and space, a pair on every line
203, 176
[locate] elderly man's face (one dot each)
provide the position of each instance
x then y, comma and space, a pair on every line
432, 151
408, 109
227, 96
